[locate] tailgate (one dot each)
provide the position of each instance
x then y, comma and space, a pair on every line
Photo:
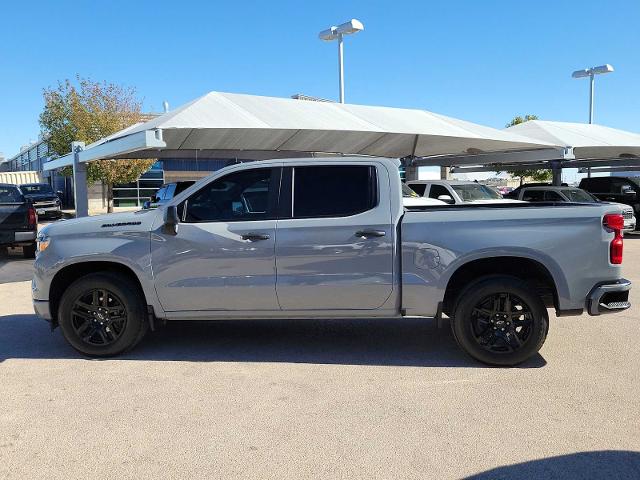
12, 217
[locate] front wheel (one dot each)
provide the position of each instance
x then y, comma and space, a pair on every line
103, 314
500, 321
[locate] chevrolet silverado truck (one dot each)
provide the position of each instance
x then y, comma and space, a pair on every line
18, 221
329, 238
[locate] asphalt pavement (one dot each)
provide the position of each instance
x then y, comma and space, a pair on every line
317, 399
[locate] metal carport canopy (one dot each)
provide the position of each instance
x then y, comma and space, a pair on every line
242, 123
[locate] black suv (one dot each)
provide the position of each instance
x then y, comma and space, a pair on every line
615, 189
166, 193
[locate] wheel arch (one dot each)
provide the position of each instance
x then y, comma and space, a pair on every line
68, 274
527, 269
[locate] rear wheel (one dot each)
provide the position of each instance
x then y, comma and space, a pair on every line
103, 314
499, 320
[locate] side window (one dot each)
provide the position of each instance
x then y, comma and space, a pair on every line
334, 191
240, 196
533, 196
551, 196
419, 188
437, 190
169, 193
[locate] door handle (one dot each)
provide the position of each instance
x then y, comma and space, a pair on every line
370, 233
254, 237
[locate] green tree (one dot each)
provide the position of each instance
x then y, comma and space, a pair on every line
87, 111
533, 174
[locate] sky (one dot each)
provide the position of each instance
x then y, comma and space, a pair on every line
481, 61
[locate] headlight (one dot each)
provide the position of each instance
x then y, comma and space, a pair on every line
43, 242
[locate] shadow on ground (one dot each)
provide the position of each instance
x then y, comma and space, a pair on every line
397, 342
13, 267
598, 465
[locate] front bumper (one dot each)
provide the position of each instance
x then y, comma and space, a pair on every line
611, 297
48, 211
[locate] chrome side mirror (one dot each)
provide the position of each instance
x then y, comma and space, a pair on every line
171, 220
445, 199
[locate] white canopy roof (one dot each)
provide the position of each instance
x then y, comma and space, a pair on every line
589, 141
234, 122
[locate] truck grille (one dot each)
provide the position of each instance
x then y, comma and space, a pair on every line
627, 214
53, 204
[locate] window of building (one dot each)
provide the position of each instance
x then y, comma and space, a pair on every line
334, 191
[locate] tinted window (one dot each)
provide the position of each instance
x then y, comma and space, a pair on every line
475, 191
419, 188
408, 193
596, 185
160, 193
40, 188
436, 190
580, 196
238, 196
333, 191
533, 196
551, 196
9, 194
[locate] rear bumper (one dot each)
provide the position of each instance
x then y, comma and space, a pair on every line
609, 297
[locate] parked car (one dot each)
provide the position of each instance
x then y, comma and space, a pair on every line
505, 190
456, 192
412, 199
575, 195
515, 193
329, 238
18, 220
615, 189
44, 199
166, 193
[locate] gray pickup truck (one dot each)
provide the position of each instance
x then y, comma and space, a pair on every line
329, 238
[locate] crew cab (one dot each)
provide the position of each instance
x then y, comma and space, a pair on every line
456, 191
18, 220
329, 238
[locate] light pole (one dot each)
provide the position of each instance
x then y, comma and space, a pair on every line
337, 33
591, 73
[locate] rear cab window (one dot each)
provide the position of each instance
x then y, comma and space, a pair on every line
10, 194
332, 190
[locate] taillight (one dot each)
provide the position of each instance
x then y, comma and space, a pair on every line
615, 222
32, 218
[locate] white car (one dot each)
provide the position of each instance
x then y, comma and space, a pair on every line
412, 199
457, 192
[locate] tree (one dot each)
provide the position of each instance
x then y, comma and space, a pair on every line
535, 175
87, 111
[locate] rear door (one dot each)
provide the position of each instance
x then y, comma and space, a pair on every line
335, 242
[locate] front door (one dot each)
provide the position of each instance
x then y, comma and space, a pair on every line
223, 255
335, 251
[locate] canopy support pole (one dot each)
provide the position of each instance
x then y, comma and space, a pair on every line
556, 171
81, 197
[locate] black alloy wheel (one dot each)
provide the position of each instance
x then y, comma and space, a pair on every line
98, 317
103, 314
501, 322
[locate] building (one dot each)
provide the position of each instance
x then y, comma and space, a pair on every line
34, 155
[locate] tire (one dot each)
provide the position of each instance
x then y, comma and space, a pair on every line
116, 324
487, 332
29, 251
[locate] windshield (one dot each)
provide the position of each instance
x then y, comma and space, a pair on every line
39, 188
475, 191
408, 193
9, 194
579, 196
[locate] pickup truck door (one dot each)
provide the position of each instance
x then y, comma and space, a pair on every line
223, 255
335, 244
